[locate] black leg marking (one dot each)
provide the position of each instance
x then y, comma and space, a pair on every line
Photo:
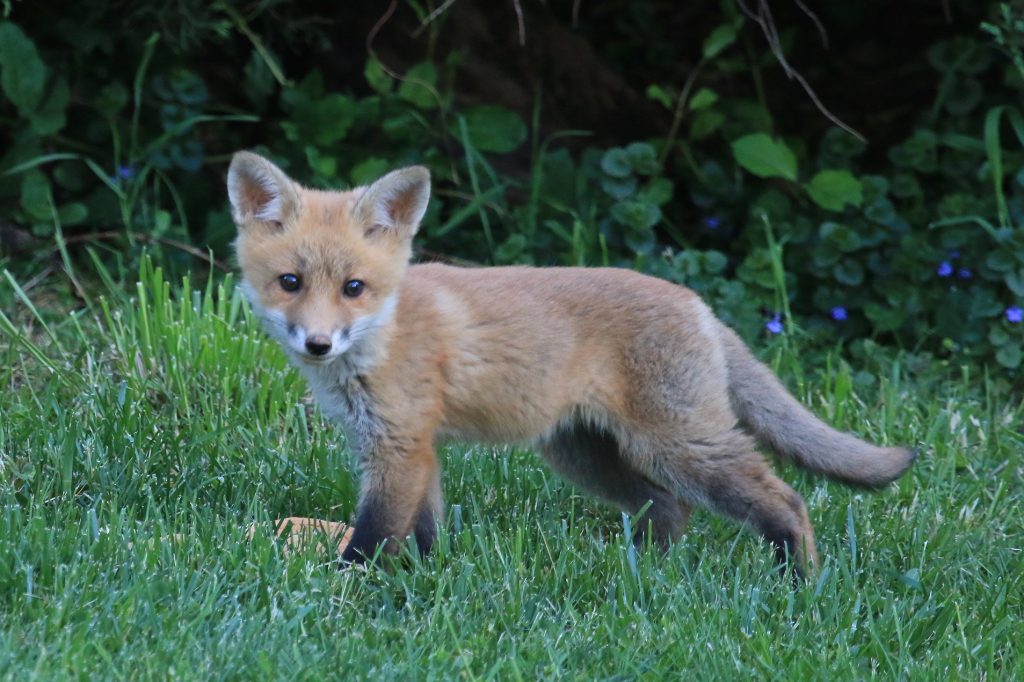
425, 530
370, 533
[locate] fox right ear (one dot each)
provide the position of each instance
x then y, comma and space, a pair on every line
395, 204
260, 191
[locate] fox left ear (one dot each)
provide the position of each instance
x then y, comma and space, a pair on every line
395, 203
260, 191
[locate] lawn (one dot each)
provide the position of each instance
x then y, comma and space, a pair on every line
141, 436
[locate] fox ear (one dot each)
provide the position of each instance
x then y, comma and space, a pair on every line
260, 191
395, 203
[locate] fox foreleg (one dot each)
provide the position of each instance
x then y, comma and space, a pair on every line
400, 495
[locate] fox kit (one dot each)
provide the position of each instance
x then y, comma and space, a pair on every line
627, 385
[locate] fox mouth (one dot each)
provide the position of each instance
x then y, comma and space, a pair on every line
311, 359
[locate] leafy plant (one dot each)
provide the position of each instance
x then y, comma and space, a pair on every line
917, 244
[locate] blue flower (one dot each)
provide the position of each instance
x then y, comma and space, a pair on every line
1014, 314
945, 269
954, 254
712, 222
964, 273
839, 313
774, 325
126, 172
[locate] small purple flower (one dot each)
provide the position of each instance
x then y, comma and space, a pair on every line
839, 313
964, 273
1014, 314
125, 172
774, 325
954, 254
945, 269
712, 222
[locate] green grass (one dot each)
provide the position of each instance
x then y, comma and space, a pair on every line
169, 413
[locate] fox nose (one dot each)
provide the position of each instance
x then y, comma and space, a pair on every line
318, 345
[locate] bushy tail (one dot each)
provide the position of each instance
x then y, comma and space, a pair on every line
780, 422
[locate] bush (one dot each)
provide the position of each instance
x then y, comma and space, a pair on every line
125, 140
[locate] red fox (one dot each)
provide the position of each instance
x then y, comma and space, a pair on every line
627, 385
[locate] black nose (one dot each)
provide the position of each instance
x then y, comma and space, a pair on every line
318, 345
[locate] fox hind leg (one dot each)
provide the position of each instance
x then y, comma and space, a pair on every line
591, 459
731, 477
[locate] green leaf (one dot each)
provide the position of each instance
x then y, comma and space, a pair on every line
705, 123
512, 249
369, 170
419, 87
1015, 282
616, 163
324, 165
642, 158
1009, 355
636, 214
619, 188
885, 319
658, 94
379, 79
49, 117
721, 38
493, 129
703, 99
72, 214
963, 95
24, 73
1001, 261
849, 272
998, 336
834, 189
839, 235
658, 192
317, 119
714, 262
257, 79
765, 157
111, 98
36, 196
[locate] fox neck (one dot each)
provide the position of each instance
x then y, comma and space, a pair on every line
340, 386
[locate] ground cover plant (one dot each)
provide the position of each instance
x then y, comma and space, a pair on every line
141, 436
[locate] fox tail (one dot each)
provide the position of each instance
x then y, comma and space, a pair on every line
780, 422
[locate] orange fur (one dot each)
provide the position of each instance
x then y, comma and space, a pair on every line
627, 384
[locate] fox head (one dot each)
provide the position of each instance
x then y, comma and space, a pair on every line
322, 269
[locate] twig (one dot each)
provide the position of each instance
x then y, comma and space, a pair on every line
388, 13
424, 255
391, 72
430, 17
242, 25
576, 13
149, 239
763, 18
372, 35
522, 24
817, 22
465, 196
36, 279
680, 111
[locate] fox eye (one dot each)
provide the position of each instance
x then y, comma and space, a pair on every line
290, 282
353, 288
